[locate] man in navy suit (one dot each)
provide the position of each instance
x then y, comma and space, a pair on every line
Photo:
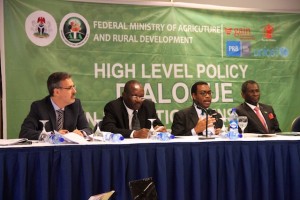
61, 98
119, 113
261, 117
192, 120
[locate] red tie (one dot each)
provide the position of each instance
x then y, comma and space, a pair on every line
261, 118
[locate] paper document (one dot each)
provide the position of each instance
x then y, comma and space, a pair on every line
75, 138
18, 141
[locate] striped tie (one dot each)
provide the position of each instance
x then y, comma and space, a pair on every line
135, 121
60, 119
261, 118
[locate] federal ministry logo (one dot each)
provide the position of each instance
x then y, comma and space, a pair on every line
41, 28
74, 30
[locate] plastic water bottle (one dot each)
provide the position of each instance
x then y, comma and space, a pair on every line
112, 137
56, 139
233, 125
164, 136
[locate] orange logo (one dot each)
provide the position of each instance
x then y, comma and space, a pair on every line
268, 31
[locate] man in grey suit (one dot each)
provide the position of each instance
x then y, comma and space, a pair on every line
62, 99
192, 120
261, 117
119, 113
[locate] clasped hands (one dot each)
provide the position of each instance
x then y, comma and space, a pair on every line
143, 133
64, 131
201, 125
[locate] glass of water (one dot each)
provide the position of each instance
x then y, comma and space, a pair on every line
243, 121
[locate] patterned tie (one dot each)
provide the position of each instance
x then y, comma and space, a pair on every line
261, 118
135, 121
60, 119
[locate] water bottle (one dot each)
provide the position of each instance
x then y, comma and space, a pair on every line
164, 136
56, 139
233, 125
112, 137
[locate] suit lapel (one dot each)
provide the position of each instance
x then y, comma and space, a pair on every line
124, 114
253, 117
193, 116
52, 115
67, 115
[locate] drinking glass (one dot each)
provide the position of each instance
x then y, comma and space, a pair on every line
224, 130
243, 121
98, 132
151, 131
43, 135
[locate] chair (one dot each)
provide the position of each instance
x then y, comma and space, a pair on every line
296, 125
143, 189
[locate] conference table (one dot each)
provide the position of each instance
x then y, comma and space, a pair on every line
184, 168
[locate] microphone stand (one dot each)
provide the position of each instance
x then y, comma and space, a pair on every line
207, 112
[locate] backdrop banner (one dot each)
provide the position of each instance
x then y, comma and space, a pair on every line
166, 48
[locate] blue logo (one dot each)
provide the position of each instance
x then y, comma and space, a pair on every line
238, 49
271, 52
233, 48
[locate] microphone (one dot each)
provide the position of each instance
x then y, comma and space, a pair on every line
208, 111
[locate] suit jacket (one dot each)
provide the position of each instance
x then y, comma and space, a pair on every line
185, 120
254, 124
116, 117
74, 118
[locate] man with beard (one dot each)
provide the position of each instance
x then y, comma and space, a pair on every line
62, 110
192, 120
261, 117
129, 114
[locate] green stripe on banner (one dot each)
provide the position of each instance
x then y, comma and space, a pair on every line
166, 48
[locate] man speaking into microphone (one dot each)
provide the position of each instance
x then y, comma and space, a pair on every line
198, 118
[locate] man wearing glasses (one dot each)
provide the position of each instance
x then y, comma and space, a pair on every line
192, 120
129, 114
62, 110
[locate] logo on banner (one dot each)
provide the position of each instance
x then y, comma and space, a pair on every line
238, 49
268, 31
240, 33
271, 52
74, 30
41, 28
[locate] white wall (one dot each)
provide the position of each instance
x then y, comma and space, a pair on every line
250, 5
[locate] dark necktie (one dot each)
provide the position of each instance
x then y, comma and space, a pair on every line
60, 119
135, 121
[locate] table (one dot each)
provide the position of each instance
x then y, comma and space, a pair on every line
183, 169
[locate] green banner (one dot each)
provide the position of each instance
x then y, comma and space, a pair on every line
166, 48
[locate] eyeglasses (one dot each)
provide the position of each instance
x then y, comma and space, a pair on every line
137, 98
68, 88
204, 93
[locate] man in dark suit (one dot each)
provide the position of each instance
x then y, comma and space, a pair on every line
61, 99
192, 120
119, 113
261, 117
